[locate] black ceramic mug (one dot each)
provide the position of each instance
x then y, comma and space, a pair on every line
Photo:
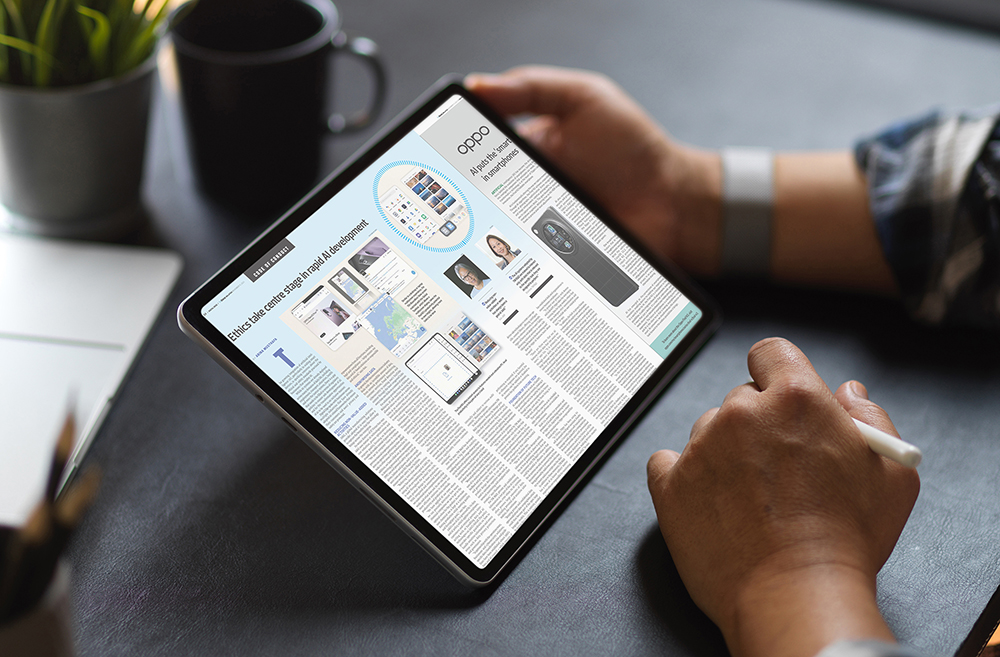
254, 76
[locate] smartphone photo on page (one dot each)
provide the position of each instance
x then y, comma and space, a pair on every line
584, 258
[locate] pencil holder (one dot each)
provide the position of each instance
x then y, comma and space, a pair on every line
44, 631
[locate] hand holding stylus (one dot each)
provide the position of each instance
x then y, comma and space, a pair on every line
777, 515
887, 445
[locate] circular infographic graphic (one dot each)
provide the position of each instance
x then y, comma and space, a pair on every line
423, 206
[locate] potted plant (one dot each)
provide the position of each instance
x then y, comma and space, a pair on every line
75, 84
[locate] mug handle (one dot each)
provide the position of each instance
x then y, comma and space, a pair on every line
367, 51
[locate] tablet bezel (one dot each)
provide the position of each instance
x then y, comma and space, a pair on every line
194, 324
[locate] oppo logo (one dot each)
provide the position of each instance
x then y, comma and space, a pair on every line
475, 139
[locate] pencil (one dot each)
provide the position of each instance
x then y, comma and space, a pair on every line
64, 448
44, 539
21, 558
8, 566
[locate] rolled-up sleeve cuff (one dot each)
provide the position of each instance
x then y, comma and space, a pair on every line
929, 211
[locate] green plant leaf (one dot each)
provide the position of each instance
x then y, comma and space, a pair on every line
116, 11
161, 15
144, 42
137, 51
46, 24
98, 39
17, 22
125, 25
60, 42
28, 48
4, 59
46, 37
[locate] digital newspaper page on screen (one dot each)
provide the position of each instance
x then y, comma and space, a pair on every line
460, 322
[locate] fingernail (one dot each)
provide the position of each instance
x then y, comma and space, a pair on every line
858, 390
493, 80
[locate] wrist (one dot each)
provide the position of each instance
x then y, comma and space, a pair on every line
692, 185
798, 612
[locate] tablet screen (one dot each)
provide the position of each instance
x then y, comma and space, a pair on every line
441, 366
459, 321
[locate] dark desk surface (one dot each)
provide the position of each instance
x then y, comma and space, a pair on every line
219, 532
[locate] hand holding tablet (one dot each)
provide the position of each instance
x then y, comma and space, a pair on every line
464, 398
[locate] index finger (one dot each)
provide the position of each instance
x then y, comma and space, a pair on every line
531, 89
775, 360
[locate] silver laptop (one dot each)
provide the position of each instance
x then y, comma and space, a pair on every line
73, 316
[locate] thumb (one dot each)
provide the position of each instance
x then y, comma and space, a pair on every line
520, 92
531, 90
658, 468
543, 133
506, 94
853, 396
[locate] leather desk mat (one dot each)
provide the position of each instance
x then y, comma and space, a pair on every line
218, 531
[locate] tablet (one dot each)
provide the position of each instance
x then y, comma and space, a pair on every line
454, 327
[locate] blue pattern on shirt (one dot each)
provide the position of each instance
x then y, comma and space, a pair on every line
933, 186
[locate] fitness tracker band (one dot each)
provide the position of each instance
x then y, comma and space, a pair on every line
747, 200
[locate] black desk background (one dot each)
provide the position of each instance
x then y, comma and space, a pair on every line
218, 532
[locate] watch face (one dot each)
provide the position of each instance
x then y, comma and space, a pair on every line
558, 237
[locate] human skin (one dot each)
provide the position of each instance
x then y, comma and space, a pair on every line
470, 278
669, 194
500, 249
777, 514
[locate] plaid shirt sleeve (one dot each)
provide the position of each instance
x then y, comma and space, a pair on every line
934, 190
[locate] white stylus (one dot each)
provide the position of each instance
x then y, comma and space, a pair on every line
890, 446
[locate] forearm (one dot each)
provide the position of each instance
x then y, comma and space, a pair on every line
797, 614
822, 232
